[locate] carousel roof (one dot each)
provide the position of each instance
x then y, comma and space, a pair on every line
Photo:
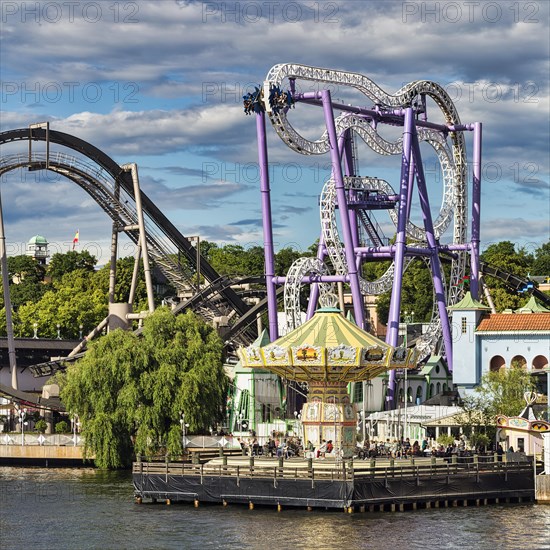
328, 347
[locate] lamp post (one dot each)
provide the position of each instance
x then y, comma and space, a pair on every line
76, 425
183, 433
22, 414
80, 328
407, 318
58, 331
35, 327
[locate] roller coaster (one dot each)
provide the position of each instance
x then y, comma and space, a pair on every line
349, 236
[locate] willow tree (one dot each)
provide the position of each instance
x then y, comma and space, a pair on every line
129, 391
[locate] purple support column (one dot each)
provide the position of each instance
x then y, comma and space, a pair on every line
433, 245
400, 245
314, 288
268, 227
342, 205
351, 170
476, 213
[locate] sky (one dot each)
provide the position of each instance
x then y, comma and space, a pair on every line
160, 83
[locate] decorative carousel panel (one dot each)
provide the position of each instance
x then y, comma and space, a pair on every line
399, 358
312, 412
251, 356
308, 355
342, 355
349, 436
349, 412
412, 359
275, 355
375, 355
331, 413
312, 434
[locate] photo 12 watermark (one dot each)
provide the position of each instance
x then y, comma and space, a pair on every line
470, 12
233, 92
272, 12
55, 12
68, 92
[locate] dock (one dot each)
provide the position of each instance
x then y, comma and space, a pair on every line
364, 486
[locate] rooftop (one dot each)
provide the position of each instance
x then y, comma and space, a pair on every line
506, 322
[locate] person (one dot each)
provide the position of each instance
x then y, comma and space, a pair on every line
310, 448
510, 449
330, 446
322, 449
424, 444
500, 452
271, 447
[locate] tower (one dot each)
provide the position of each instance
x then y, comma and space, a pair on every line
37, 247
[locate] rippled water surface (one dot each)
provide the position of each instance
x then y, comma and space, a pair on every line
88, 509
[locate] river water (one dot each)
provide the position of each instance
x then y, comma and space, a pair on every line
58, 509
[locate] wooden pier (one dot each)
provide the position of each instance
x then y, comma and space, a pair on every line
365, 486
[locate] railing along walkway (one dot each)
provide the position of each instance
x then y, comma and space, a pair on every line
316, 470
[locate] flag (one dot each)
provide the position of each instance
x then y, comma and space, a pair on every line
75, 240
465, 279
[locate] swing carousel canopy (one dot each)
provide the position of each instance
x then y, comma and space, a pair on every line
327, 348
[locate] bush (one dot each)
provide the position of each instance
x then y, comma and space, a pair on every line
41, 426
62, 427
445, 440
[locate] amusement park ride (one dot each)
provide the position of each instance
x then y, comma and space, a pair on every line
421, 112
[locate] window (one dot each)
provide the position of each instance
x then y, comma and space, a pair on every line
464, 325
358, 392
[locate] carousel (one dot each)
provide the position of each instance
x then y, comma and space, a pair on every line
328, 352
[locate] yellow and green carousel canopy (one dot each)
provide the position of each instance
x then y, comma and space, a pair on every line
328, 348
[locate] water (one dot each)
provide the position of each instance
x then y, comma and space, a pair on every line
57, 509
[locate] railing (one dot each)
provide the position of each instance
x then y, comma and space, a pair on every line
342, 471
42, 440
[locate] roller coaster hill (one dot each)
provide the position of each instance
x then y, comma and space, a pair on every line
350, 234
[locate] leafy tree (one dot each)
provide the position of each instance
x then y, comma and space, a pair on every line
541, 264
129, 391
26, 280
72, 302
503, 255
500, 392
70, 261
285, 258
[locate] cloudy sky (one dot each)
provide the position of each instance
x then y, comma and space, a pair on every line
160, 83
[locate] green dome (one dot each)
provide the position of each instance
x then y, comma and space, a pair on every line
38, 239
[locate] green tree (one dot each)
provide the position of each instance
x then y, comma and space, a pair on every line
503, 255
70, 261
285, 258
73, 301
129, 391
500, 392
541, 264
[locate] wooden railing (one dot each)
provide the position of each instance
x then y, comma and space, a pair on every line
345, 471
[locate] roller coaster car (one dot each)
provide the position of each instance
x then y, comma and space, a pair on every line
527, 287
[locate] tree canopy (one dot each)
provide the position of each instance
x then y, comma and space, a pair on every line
129, 391
500, 392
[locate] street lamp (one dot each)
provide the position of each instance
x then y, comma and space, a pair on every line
35, 327
58, 331
76, 425
183, 432
22, 415
80, 327
407, 318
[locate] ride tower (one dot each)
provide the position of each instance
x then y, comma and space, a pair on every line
348, 200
